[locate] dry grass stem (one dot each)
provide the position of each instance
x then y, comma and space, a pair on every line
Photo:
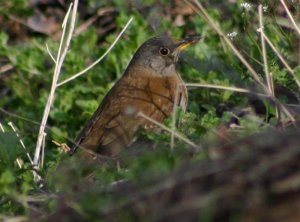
5, 68
264, 55
291, 71
30, 121
50, 54
290, 16
86, 24
202, 12
215, 27
19, 162
43, 151
98, 60
1, 127
21, 141
97, 155
21, 117
230, 88
179, 136
62, 52
173, 126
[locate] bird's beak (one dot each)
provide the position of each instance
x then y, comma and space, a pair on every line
185, 43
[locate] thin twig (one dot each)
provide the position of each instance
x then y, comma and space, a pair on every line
291, 71
43, 151
263, 47
21, 141
19, 162
50, 54
21, 117
179, 136
1, 127
98, 60
290, 16
264, 55
59, 63
86, 24
173, 126
230, 88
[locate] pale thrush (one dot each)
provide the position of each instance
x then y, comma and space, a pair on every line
148, 85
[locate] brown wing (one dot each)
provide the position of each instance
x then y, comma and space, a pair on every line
114, 123
104, 126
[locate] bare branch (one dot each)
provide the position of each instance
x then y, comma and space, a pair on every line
179, 136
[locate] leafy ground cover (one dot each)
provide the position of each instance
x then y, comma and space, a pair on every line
70, 188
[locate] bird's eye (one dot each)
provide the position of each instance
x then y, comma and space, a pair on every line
164, 51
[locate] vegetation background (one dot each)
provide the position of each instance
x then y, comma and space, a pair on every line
224, 121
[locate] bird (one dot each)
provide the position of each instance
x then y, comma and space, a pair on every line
149, 85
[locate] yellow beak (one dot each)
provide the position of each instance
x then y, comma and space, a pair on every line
185, 43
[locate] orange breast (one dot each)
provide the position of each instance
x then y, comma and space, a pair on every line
154, 95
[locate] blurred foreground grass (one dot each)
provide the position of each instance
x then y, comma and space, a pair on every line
25, 87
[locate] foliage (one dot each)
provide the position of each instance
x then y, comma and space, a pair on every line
210, 62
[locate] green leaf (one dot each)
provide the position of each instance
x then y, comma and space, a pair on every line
7, 177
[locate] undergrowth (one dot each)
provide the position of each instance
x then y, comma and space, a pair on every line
25, 88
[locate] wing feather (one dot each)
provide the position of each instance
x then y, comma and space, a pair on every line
115, 121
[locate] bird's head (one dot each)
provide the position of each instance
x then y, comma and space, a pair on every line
161, 53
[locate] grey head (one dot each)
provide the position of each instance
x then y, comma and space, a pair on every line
161, 53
